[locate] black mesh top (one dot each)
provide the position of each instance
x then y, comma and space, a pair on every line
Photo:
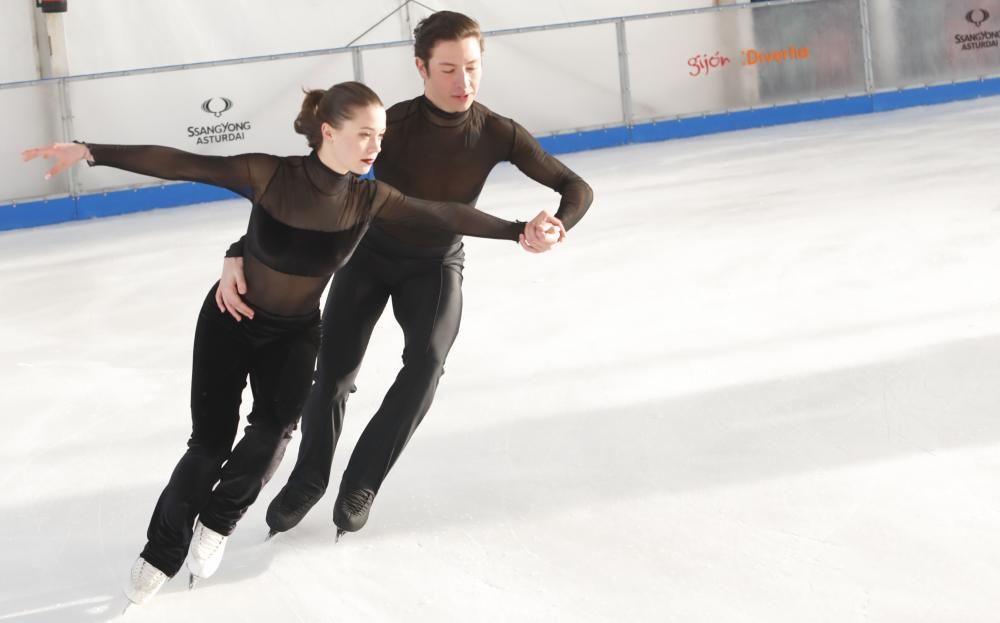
306, 219
440, 156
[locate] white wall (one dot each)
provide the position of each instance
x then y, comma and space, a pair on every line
554, 80
18, 60
166, 109
570, 76
108, 35
29, 119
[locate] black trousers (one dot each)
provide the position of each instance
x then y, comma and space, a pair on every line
427, 303
278, 354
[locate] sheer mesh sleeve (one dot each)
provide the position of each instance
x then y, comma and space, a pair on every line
388, 204
528, 156
245, 174
236, 249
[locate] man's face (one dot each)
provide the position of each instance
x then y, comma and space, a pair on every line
451, 77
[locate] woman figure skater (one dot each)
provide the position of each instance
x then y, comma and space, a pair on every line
308, 215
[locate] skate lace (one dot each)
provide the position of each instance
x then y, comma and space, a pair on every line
358, 500
305, 499
209, 541
146, 576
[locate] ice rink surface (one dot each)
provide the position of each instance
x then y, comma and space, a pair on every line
759, 383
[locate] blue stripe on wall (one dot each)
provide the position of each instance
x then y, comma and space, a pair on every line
774, 115
744, 119
51, 211
582, 141
941, 94
32, 214
35, 213
140, 199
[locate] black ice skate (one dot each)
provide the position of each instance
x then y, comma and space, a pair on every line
350, 513
288, 508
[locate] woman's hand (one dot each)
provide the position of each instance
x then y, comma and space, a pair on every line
65, 155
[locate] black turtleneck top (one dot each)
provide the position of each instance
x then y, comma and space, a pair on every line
306, 219
440, 156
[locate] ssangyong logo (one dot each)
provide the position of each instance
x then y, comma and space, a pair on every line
977, 16
217, 105
980, 39
221, 131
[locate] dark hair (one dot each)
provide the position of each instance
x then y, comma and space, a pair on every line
443, 26
334, 106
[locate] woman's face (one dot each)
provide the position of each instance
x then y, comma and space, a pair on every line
355, 145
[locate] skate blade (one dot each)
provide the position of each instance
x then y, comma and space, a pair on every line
192, 580
340, 533
271, 534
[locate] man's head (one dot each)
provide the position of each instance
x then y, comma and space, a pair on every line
449, 55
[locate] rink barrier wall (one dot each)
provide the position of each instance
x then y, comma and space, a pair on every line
774, 62
773, 115
112, 203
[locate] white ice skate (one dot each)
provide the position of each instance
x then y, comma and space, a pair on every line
205, 554
144, 582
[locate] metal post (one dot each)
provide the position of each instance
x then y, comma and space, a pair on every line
53, 62
866, 42
60, 68
359, 67
378, 23
408, 21
67, 116
623, 76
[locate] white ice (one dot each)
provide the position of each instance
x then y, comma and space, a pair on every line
759, 383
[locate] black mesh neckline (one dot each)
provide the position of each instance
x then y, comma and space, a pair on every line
325, 179
441, 118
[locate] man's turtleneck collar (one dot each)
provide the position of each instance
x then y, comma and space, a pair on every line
325, 179
439, 117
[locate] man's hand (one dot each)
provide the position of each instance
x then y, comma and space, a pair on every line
542, 233
231, 285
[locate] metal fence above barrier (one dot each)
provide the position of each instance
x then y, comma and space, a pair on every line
559, 79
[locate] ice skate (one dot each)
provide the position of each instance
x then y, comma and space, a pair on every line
288, 508
350, 513
145, 581
205, 554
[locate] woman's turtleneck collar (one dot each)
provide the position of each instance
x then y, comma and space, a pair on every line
325, 179
439, 117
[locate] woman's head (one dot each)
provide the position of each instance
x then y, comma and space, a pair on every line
344, 124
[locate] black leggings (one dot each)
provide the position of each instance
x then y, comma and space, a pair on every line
427, 302
278, 353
